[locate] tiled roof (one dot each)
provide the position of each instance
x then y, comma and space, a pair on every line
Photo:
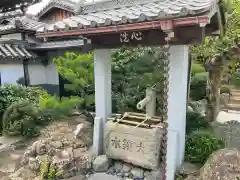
10, 14
14, 52
111, 12
62, 4
58, 44
21, 23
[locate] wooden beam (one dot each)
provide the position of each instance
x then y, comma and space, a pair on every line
153, 37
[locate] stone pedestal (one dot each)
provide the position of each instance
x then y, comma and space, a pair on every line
135, 145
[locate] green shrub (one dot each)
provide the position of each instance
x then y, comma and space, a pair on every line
198, 86
200, 145
133, 70
48, 171
197, 68
19, 119
235, 79
59, 108
194, 121
10, 94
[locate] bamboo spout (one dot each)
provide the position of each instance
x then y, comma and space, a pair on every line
149, 102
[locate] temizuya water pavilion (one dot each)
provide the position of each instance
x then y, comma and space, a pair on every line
114, 23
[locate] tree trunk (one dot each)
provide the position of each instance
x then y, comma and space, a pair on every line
213, 93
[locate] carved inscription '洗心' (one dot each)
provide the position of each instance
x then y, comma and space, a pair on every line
126, 37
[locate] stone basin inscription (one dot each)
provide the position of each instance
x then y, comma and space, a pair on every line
138, 146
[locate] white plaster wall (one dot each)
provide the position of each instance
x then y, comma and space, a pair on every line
40, 74
52, 74
36, 74
10, 73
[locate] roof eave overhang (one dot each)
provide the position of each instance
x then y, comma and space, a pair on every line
201, 20
12, 31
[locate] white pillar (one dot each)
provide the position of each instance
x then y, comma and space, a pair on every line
177, 99
103, 99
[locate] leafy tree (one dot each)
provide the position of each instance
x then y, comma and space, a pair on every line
78, 69
215, 52
133, 70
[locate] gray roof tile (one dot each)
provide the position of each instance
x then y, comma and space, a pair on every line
63, 4
108, 12
10, 14
23, 23
14, 52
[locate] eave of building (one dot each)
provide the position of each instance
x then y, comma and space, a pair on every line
20, 24
10, 14
14, 52
62, 44
97, 23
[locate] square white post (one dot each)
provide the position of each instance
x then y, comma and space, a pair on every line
177, 99
103, 98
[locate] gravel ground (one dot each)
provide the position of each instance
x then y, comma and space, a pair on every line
229, 130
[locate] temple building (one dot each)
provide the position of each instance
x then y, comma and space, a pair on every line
26, 59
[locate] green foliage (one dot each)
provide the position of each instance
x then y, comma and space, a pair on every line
19, 119
235, 79
48, 171
195, 121
198, 86
21, 81
197, 68
78, 69
215, 46
133, 70
44, 169
200, 145
10, 94
59, 108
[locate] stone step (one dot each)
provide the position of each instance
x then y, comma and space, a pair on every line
234, 101
235, 90
235, 94
235, 107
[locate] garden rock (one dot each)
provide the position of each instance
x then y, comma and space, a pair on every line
103, 176
101, 163
118, 166
84, 131
126, 168
156, 175
223, 164
192, 177
57, 144
199, 106
34, 164
137, 172
189, 169
39, 147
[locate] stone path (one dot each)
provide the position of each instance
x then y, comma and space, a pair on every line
103, 176
234, 102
